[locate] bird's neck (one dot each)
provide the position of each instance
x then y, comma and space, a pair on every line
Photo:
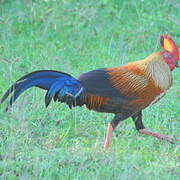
159, 70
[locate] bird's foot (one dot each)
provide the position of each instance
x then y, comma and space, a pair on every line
157, 135
106, 145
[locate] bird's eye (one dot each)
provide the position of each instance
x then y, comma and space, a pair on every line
168, 55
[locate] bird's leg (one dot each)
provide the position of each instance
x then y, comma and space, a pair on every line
137, 118
157, 135
108, 136
111, 126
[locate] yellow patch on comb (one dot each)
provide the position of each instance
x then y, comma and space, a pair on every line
168, 45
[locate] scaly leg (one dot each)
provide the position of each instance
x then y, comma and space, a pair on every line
157, 135
137, 118
111, 126
108, 136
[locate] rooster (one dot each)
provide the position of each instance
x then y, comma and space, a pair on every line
124, 91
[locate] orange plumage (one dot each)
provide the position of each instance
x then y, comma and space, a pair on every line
133, 87
124, 91
138, 85
95, 102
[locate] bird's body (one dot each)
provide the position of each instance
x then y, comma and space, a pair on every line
120, 89
124, 91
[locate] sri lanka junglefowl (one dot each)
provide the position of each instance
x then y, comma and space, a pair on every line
124, 91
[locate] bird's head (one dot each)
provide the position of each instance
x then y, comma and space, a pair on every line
170, 51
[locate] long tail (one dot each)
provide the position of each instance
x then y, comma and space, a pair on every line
59, 85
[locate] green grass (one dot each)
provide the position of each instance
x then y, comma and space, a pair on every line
75, 37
